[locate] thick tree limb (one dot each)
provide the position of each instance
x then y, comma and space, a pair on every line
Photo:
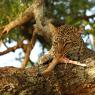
26, 16
72, 80
35, 11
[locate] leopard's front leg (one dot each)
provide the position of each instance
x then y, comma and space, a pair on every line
51, 66
45, 59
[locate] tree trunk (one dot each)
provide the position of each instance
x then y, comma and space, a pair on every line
65, 79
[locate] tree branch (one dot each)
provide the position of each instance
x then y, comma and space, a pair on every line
30, 46
35, 11
10, 49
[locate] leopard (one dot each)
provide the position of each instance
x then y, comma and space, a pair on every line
66, 40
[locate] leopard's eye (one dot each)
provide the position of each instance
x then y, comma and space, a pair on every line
55, 42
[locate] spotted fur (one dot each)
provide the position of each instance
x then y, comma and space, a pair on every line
66, 40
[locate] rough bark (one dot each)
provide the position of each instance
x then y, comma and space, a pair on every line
65, 79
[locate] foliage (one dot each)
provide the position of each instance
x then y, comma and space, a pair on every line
68, 11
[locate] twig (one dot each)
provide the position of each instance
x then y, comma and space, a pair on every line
11, 49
